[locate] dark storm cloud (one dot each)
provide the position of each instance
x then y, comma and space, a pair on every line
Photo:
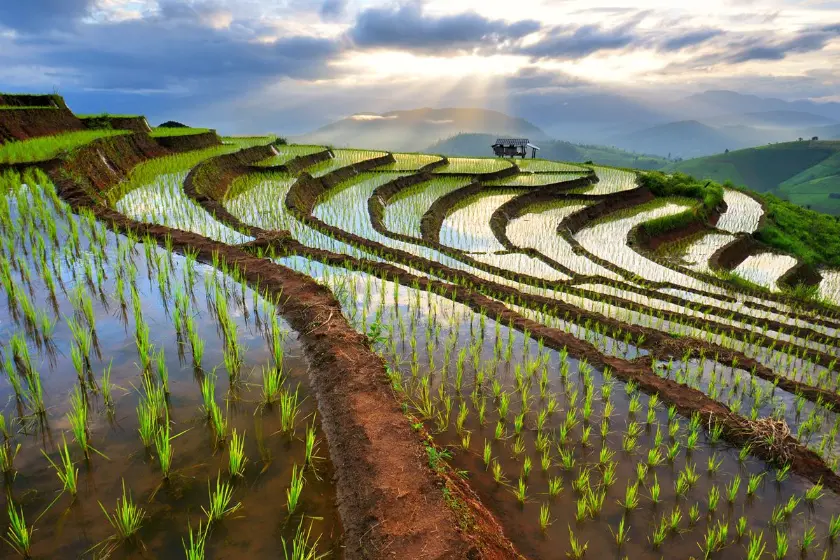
176, 49
36, 15
407, 27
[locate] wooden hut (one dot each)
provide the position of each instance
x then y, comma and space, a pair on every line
514, 147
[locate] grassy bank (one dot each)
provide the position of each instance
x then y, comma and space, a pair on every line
708, 194
809, 235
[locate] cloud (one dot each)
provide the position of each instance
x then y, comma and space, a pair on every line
407, 27
371, 117
37, 15
808, 41
687, 39
535, 78
570, 42
333, 9
197, 47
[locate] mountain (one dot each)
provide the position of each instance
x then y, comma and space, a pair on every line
683, 139
806, 173
772, 119
472, 145
716, 103
415, 129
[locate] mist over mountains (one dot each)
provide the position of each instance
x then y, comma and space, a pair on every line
693, 126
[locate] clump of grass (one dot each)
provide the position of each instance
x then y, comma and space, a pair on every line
577, 549
194, 550
236, 455
19, 535
295, 489
67, 472
126, 521
220, 499
301, 548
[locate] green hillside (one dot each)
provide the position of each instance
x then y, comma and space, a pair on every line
806, 173
478, 145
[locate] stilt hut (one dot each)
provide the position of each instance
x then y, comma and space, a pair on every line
514, 147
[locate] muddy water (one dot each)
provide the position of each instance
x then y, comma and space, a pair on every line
421, 330
72, 528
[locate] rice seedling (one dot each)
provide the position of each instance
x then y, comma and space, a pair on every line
301, 548
67, 472
520, 491
660, 533
621, 533
18, 534
294, 491
289, 409
756, 547
545, 517
77, 416
577, 550
814, 493
236, 455
194, 549
781, 545
220, 501
163, 446
834, 528
807, 540
126, 521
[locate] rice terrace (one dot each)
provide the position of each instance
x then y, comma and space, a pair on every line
232, 347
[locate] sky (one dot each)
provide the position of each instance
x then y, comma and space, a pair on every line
263, 65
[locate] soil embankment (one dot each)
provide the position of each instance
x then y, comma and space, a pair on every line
189, 142
31, 122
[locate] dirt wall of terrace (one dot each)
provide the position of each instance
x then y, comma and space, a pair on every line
32, 100
627, 199
299, 163
20, 124
800, 274
391, 502
208, 182
515, 207
189, 142
733, 253
135, 124
101, 164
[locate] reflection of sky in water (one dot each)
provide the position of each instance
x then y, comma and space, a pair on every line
403, 213
165, 203
765, 269
468, 228
697, 254
538, 230
830, 286
742, 214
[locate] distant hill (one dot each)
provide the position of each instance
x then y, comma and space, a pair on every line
772, 119
416, 129
686, 139
806, 173
479, 145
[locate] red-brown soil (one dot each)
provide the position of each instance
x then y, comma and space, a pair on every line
20, 124
189, 142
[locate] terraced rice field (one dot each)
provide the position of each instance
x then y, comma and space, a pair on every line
213, 358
